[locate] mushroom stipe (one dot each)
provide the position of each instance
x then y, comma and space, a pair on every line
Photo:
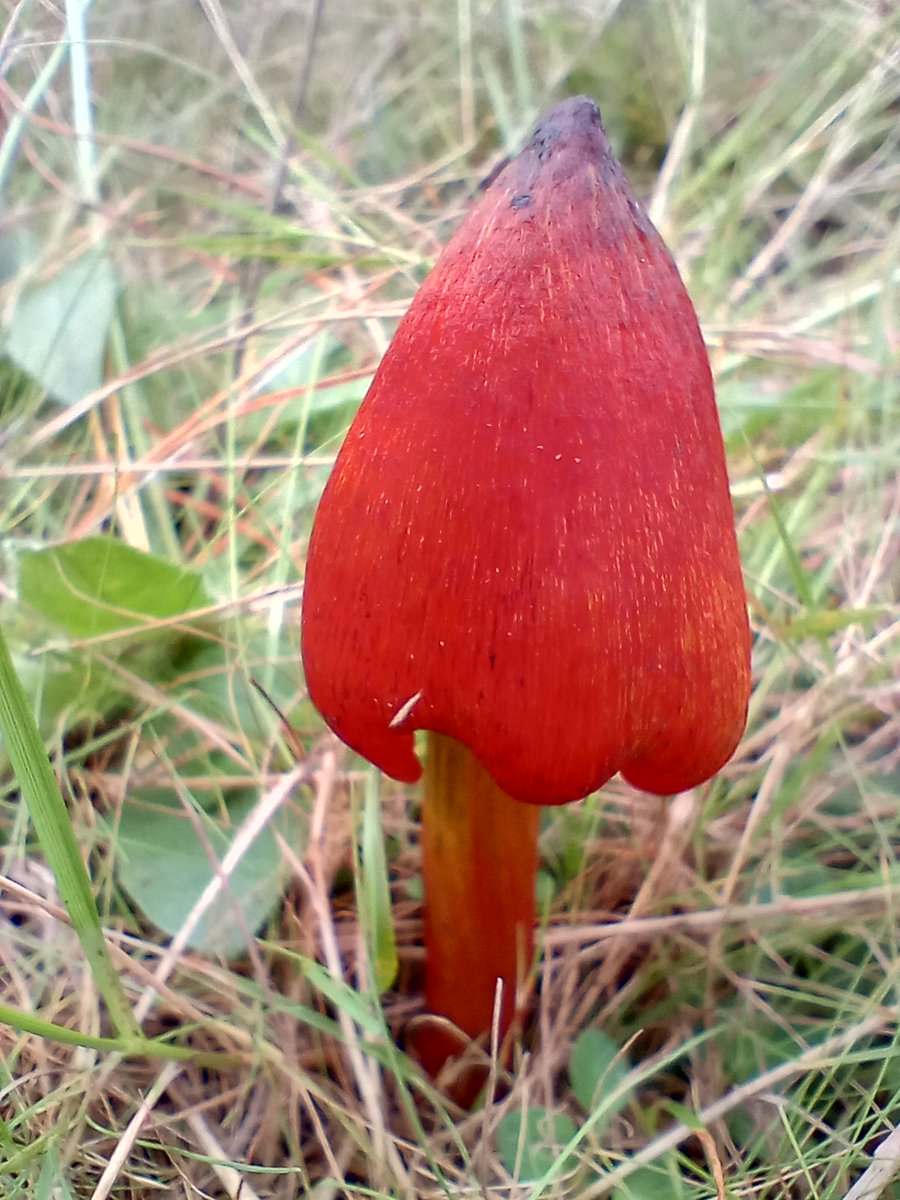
529, 530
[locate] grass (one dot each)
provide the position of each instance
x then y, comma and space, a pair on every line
211, 220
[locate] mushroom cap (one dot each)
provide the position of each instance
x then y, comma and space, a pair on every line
527, 541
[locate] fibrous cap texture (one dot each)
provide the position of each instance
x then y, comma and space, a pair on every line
527, 541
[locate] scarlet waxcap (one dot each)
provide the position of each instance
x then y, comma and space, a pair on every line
527, 541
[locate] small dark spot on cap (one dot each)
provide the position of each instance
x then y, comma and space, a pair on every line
543, 140
522, 200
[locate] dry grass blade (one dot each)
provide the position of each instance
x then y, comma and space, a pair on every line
879, 1175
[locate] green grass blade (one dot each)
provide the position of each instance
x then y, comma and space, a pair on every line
140, 1047
47, 809
375, 898
18, 120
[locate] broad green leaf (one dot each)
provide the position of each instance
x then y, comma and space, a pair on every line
652, 1183
164, 867
594, 1072
70, 683
58, 330
530, 1144
101, 585
218, 691
685, 1115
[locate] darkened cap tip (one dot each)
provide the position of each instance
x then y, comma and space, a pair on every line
577, 115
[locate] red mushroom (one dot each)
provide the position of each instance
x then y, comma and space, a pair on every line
527, 547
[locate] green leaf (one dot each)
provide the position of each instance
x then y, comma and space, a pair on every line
685, 1115
100, 585
214, 690
69, 684
596, 1068
530, 1144
164, 866
652, 1183
58, 330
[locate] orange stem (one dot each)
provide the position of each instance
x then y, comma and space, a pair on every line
479, 858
